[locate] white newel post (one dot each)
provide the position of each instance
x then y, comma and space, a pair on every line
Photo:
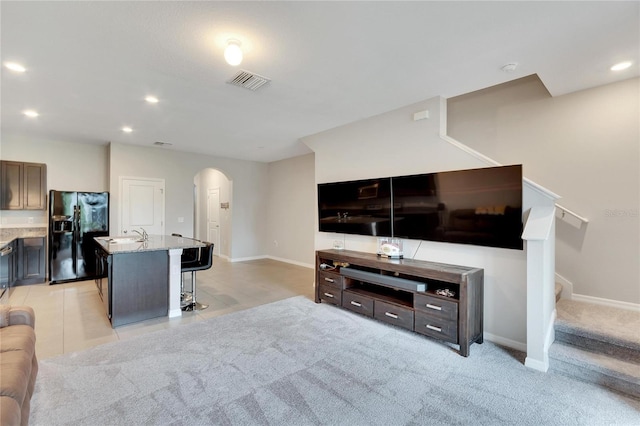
175, 277
541, 312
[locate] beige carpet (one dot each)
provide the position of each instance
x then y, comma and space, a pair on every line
616, 325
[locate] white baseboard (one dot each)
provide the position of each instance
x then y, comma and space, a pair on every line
174, 313
244, 259
567, 287
607, 302
536, 364
567, 293
279, 259
293, 262
519, 346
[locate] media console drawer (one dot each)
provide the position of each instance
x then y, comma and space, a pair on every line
330, 294
357, 303
393, 314
333, 278
443, 309
436, 327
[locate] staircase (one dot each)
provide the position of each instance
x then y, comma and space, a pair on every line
598, 344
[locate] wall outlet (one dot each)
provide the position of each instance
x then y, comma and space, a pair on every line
180, 219
275, 243
30, 220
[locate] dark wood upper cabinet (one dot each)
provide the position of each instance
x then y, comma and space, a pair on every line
23, 186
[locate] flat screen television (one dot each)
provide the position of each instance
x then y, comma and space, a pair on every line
477, 206
361, 207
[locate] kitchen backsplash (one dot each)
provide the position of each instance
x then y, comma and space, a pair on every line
11, 233
21, 218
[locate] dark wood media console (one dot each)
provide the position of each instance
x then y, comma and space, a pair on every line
403, 292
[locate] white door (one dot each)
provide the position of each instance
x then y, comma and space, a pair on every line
142, 205
213, 219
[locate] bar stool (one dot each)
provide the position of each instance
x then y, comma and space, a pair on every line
188, 257
190, 263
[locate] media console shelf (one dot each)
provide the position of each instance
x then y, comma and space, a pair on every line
404, 292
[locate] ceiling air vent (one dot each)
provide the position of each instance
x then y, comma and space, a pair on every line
248, 80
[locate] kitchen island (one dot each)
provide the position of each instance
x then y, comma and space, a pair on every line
141, 277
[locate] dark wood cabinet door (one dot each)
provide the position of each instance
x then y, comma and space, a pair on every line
31, 261
34, 186
11, 182
23, 186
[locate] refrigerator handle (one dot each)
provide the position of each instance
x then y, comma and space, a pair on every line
78, 216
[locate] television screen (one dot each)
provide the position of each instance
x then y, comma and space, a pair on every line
360, 207
478, 206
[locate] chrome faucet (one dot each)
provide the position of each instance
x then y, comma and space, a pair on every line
143, 234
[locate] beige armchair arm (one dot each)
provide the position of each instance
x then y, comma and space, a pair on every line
17, 315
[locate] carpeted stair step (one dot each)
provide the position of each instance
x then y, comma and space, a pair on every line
600, 329
598, 344
558, 291
622, 376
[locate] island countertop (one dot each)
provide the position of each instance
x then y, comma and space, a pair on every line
133, 244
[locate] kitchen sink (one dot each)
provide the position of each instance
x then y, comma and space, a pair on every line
125, 240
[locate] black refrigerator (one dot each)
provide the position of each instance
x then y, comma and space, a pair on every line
75, 218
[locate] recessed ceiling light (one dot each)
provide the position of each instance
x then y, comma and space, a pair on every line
14, 66
30, 113
127, 129
151, 99
621, 66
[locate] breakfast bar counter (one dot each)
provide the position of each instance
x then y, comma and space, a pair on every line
141, 276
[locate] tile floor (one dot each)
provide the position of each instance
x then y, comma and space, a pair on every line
70, 317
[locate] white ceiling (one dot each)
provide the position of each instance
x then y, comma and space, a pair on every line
90, 64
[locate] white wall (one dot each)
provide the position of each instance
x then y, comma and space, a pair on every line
86, 167
393, 144
291, 210
250, 184
70, 167
585, 146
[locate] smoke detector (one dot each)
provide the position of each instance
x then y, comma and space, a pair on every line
510, 67
248, 80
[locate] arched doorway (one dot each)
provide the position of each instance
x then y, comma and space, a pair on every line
212, 210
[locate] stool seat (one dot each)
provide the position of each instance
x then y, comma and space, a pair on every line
192, 260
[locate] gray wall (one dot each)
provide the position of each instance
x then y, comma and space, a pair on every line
393, 144
585, 146
291, 210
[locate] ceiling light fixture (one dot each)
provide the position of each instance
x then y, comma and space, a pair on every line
621, 66
127, 129
13, 66
233, 52
151, 99
30, 113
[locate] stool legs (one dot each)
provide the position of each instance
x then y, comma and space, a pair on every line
193, 304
